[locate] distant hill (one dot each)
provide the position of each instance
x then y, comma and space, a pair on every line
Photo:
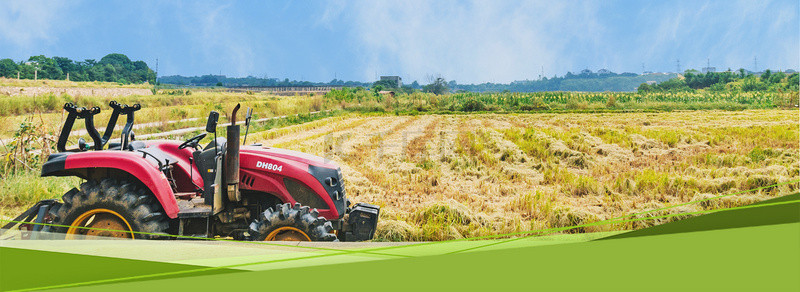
222, 80
586, 81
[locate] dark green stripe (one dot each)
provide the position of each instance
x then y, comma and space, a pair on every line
737, 218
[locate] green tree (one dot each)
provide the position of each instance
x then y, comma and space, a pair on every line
25, 70
438, 86
386, 84
8, 68
766, 75
47, 67
644, 88
753, 84
777, 77
793, 81
115, 59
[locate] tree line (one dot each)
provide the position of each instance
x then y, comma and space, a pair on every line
740, 80
111, 68
222, 80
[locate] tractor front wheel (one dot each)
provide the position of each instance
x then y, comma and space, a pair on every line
285, 222
110, 208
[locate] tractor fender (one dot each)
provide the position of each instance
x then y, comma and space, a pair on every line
84, 164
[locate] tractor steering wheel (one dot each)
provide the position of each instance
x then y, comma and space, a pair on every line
193, 142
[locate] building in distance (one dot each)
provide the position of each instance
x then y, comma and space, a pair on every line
394, 79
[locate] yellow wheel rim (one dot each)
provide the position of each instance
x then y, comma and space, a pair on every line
100, 222
287, 233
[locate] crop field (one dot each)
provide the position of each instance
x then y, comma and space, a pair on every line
451, 176
465, 165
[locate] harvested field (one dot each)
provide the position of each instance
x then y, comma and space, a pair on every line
73, 91
452, 176
446, 176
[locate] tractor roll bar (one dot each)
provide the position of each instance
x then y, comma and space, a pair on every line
112, 122
126, 131
76, 112
87, 115
125, 110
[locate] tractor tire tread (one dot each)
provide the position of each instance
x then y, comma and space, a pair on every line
300, 217
132, 201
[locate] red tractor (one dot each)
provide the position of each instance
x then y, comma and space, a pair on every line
160, 189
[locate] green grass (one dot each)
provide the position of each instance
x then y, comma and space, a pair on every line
774, 136
530, 143
612, 136
19, 191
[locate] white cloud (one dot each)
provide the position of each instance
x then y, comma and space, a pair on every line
502, 41
25, 24
217, 37
473, 41
729, 33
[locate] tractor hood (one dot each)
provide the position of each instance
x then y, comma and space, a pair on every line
291, 155
321, 175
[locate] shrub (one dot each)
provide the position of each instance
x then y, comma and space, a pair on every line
473, 105
612, 101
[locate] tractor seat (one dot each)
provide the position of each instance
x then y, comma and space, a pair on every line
219, 143
156, 157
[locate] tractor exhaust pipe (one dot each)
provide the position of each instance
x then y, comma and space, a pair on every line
232, 159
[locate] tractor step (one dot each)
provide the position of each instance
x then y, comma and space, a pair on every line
194, 208
194, 217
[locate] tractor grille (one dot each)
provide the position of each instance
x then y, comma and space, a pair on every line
304, 195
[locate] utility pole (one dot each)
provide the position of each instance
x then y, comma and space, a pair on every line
678, 66
156, 82
642, 68
755, 64
35, 74
542, 76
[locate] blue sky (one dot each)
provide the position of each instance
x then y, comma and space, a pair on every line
469, 41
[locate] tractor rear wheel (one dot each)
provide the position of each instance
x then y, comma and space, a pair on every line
110, 208
285, 222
